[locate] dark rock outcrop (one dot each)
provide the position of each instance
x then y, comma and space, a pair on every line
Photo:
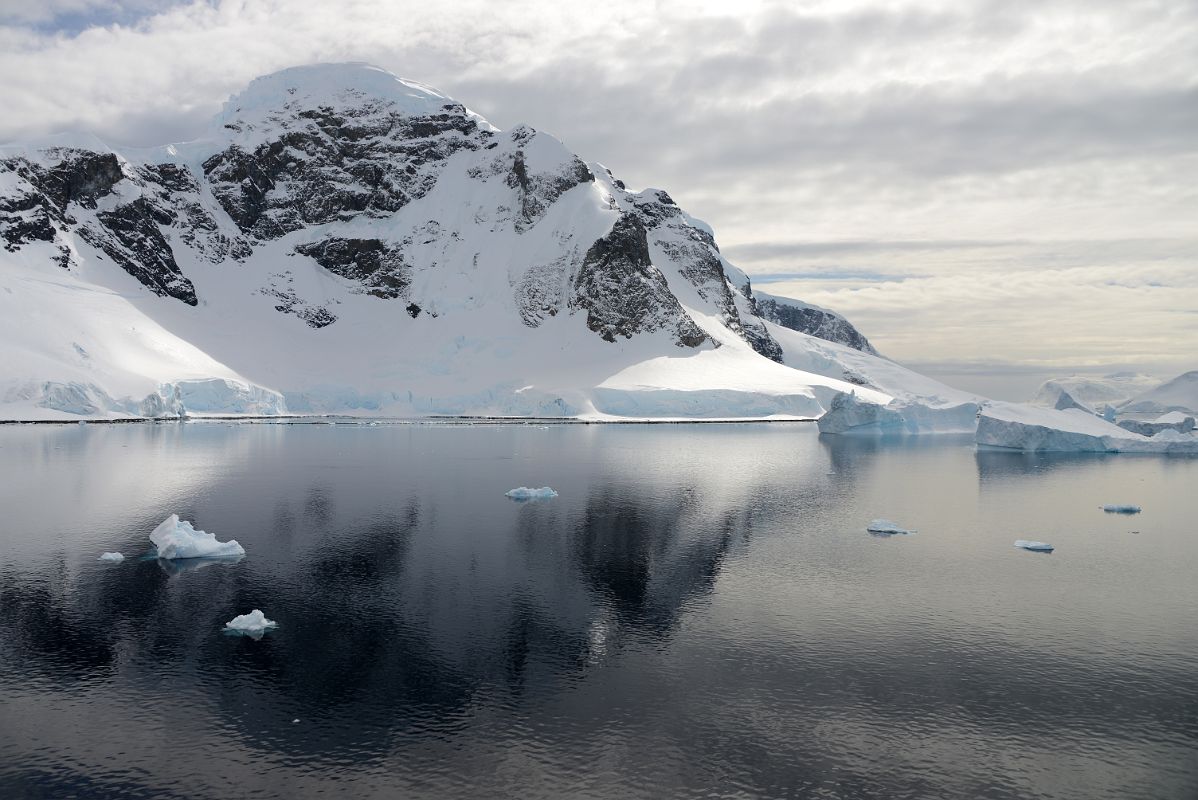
622, 292
327, 165
817, 322
131, 237
379, 267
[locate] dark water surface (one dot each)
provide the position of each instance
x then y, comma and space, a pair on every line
699, 614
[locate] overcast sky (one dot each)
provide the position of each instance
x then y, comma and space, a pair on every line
987, 188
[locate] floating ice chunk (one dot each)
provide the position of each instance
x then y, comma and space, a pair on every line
524, 493
253, 624
178, 539
886, 527
1035, 547
115, 558
1122, 509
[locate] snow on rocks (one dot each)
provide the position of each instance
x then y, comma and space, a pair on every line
885, 527
522, 493
178, 539
253, 624
115, 558
1118, 509
1035, 547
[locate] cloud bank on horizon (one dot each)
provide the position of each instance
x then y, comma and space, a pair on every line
978, 182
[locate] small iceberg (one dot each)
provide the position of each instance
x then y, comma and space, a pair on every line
1035, 547
885, 527
253, 624
1122, 509
115, 558
178, 539
524, 493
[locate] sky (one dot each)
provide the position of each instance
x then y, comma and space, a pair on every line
993, 192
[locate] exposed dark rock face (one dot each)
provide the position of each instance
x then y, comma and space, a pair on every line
80, 177
129, 234
289, 302
132, 239
39, 208
538, 191
816, 322
25, 218
695, 252
328, 165
177, 191
624, 294
375, 264
541, 291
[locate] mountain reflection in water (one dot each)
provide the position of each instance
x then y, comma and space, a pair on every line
700, 611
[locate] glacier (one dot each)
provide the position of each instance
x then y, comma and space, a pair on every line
175, 538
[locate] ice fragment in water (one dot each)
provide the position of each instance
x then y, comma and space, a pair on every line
253, 624
178, 539
113, 557
1121, 509
886, 527
524, 493
1035, 547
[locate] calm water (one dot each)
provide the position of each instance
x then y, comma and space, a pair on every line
699, 614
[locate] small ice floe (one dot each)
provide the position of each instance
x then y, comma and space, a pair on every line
253, 624
1035, 547
524, 493
884, 527
178, 539
115, 558
1122, 509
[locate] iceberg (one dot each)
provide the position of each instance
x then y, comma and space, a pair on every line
524, 493
1035, 547
886, 528
848, 413
1173, 421
1117, 509
178, 539
1031, 429
253, 624
115, 558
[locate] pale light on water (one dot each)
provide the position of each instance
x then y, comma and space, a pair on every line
700, 612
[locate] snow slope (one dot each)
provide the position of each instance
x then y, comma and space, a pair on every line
1178, 394
344, 241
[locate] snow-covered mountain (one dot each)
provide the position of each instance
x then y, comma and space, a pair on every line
1177, 394
346, 241
1094, 391
813, 320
